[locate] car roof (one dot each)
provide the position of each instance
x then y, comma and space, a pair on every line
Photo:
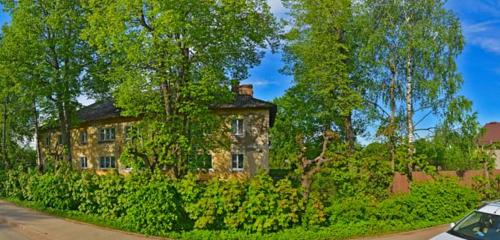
491, 208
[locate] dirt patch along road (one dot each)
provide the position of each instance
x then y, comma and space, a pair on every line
422, 234
19, 223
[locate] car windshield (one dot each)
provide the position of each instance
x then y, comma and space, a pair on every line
478, 226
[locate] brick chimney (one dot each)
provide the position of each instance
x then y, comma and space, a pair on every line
246, 89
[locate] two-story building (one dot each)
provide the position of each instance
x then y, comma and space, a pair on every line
99, 138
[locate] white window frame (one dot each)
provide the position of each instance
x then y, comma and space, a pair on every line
84, 159
84, 137
240, 166
238, 127
107, 134
109, 162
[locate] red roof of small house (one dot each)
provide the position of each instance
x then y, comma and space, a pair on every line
491, 134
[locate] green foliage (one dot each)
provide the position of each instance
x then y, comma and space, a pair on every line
270, 207
489, 189
143, 212
256, 209
217, 205
170, 61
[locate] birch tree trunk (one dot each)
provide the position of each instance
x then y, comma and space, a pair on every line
39, 159
409, 114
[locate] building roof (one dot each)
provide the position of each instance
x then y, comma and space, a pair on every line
491, 134
98, 111
107, 110
243, 101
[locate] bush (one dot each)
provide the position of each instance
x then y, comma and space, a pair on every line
233, 209
152, 205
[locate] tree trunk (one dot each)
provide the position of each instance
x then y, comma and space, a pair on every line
67, 137
4, 134
349, 132
64, 126
409, 114
392, 120
39, 159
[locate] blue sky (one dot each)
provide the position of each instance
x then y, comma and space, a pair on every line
479, 63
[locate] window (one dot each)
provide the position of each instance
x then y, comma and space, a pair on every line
106, 134
107, 162
237, 127
83, 137
83, 162
59, 140
47, 141
237, 162
130, 132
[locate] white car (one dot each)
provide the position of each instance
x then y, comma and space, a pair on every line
482, 224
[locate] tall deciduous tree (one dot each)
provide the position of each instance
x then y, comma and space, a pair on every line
172, 59
44, 40
320, 104
414, 44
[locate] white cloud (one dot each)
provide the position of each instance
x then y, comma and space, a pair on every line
277, 7
259, 82
485, 35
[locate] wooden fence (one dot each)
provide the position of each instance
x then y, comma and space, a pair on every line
400, 181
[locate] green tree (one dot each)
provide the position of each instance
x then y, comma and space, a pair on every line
315, 112
414, 45
171, 60
43, 41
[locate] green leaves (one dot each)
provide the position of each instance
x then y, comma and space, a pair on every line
171, 60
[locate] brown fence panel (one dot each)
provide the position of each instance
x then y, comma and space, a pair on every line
400, 181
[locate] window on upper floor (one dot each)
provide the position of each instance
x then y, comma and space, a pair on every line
237, 162
106, 134
83, 162
46, 141
237, 127
59, 140
107, 162
83, 137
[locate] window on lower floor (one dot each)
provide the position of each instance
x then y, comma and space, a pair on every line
83, 162
237, 162
107, 162
59, 140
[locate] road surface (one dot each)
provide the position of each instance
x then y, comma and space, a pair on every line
17, 223
422, 234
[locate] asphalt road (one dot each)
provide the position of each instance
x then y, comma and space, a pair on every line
17, 223
422, 234
9, 233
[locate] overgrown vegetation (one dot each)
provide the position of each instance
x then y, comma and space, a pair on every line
356, 65
153, 204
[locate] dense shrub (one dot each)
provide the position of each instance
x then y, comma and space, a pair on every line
270, 207
234, 209
152, 205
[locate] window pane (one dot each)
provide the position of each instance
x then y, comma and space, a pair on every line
240, 126
240, 161
234, 160
234, 126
